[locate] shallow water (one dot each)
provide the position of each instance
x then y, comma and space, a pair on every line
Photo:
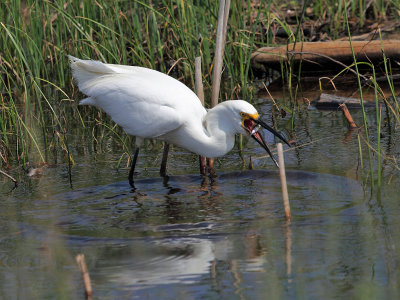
188, 237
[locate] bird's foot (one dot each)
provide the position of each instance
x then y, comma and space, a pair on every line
132, 184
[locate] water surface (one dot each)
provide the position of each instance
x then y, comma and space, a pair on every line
188, 237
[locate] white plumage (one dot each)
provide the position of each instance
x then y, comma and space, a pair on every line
149, 104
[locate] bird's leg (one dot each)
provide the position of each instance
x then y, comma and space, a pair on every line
163, 168
203, 163
211, 169
132, 170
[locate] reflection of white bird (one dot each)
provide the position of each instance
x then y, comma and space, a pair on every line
176, 260
161, 262
150, 104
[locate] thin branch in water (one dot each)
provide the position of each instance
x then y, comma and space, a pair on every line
348, 116
80, 260
9, 177
272, 98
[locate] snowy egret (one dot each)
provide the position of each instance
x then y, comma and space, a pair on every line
149, 104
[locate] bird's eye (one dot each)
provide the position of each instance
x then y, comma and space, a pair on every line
242, 114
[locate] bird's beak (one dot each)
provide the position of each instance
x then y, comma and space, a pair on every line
252, 126
269, 128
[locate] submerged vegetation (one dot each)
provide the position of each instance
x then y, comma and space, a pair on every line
38, 98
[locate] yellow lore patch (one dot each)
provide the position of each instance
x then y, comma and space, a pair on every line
246, 116
254, 116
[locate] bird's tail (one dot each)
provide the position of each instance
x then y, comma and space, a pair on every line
86, 72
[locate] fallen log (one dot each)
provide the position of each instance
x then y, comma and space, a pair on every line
325, 56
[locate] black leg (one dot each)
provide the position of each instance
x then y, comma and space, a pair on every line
163, 168
130, 178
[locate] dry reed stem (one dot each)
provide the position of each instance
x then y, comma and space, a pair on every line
226, 17
288, 249
223, 15
285, 195
198, 79
348, 116
9, 177
80, 260
198, 82
251, 167
272, 98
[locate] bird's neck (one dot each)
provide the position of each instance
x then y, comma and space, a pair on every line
211, 138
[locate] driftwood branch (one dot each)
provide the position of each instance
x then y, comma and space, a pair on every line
331, 59
324, 56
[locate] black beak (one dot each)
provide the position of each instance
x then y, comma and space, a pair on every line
269, 128
259, 138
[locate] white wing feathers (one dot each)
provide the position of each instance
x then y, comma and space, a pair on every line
85, 71
146, 103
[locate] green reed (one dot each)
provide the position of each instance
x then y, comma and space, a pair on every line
371, 138
36, 36
334, 11
367, 132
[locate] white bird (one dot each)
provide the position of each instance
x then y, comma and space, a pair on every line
150, 104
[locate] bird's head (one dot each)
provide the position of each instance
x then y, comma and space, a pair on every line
250, 124
238, 116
